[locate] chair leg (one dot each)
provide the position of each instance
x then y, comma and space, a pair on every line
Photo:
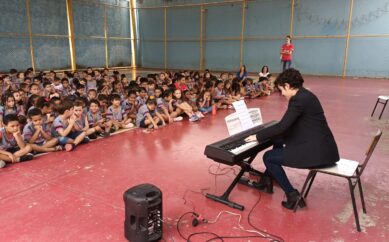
375, 107
361, 194
310, 184
308, 179
354, 205
383, 109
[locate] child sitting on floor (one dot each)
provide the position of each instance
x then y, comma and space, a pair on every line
181, 106
63, 126
82, 123
204, 102
161, 107
96, 119
174, 112
141, 99
190, 98
116, 113
103, 101
37, 133
129, 106
9, 107
148, 116
219, 96
251, 90
12, 147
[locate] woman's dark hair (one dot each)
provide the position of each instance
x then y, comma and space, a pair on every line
263, 67
244, 68
292, 77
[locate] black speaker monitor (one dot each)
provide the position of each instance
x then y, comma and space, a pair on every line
143, 210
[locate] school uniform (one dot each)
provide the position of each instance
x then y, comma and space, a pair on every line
29, 131
8, 142
142, 115
117, 115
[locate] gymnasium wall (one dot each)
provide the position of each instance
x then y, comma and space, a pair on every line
102, 34
199, 34
189, 34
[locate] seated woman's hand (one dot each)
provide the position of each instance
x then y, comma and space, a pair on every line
251, 138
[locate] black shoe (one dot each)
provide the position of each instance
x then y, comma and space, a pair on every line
265, 184
92, 136
26, 157
85, 140
291, 200
104, 134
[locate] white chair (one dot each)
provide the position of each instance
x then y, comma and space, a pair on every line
383, 100
351, 170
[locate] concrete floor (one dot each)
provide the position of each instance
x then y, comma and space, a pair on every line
77, 196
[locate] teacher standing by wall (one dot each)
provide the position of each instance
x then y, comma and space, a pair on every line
286, 53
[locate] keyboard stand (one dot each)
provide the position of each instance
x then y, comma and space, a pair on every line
245, 167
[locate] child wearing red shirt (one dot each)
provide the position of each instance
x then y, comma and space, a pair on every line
286, 53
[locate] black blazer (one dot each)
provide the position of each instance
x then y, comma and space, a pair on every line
308, 139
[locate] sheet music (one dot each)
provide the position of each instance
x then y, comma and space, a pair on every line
234, 125
243, 114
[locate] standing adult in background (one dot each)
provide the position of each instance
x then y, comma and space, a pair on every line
242, 74
286, 53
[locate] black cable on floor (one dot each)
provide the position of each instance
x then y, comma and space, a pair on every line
274, 238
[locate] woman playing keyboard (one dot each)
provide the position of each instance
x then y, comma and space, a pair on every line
302, 139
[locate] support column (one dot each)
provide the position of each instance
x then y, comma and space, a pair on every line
106, 37
201, 37
165, 37
242, 32
291, 17
30, 34
133, 34
350, 15
69, 14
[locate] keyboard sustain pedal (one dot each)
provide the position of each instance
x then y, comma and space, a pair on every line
247, 182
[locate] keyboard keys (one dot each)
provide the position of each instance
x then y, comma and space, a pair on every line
243, 147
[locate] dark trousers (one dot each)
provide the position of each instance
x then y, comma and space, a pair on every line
274, 159
286, 65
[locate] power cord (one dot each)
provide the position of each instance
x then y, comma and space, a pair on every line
273, 237
260, 233
193, 234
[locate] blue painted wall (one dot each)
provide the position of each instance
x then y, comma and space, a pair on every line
266, 24
50, 34
15, 50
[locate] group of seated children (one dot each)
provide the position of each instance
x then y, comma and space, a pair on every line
58, 111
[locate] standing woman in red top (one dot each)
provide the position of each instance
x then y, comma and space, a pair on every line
286, 53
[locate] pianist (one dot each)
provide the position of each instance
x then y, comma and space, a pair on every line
306, 139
